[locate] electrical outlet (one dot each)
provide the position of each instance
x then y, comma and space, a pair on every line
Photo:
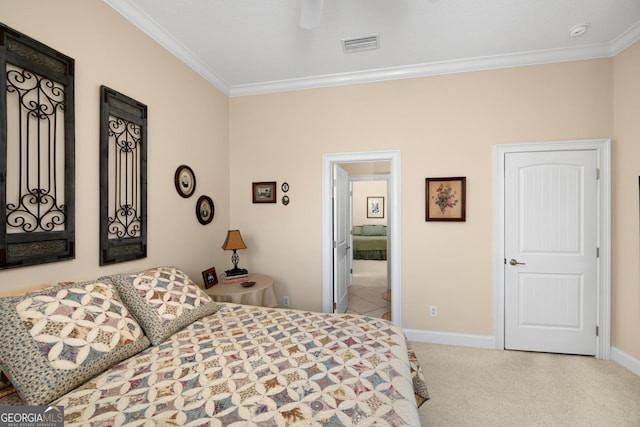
285, 301
433, 311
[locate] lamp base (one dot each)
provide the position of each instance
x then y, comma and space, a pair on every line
236, 272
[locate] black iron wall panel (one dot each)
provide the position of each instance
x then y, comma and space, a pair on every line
123, 178
37, 170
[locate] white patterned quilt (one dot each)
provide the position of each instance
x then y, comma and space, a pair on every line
249, 366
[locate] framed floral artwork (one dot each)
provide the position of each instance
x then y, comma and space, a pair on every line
445, 199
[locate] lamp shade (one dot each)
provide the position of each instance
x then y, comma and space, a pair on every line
233, 241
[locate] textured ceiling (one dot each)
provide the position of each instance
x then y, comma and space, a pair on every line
256, 46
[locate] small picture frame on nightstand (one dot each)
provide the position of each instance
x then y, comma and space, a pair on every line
210, 277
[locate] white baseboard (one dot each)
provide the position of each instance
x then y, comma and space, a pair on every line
451, 338
629, 362
489, 342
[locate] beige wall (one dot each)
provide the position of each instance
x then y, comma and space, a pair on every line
187, 124
443, 126
362, 190
625, 294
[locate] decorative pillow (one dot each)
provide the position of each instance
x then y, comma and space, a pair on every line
164, 300
374, 230
57, 338
357, 230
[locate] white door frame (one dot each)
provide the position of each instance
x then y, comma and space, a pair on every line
393, 225
603, 151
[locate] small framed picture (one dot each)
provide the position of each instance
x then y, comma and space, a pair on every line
264, 192
210, 277
185, 181
445, 199
205, 210
375, 207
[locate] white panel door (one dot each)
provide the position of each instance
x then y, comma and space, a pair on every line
341, 239
551, 251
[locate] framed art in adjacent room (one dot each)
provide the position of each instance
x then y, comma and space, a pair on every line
210, 277
445, 199
264, 192
375, 207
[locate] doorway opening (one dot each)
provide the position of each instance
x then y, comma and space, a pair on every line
369, 291
369, 161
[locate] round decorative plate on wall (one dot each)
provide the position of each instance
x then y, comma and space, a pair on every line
185, 181
205, 210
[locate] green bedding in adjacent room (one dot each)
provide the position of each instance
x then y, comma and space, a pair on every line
370, 242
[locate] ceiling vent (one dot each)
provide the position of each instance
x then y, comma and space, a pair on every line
360, 43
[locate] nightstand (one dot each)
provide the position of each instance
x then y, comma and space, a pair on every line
261, 294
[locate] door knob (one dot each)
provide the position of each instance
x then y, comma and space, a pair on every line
514, 262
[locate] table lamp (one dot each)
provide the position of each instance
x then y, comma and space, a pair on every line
233, 242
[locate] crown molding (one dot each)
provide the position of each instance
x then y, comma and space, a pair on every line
154, 30
427, 69
626, 39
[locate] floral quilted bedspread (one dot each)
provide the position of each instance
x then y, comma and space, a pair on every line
250, 366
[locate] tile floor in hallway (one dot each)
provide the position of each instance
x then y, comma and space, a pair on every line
368, 284
368, 300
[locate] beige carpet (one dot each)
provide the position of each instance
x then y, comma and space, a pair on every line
475, 387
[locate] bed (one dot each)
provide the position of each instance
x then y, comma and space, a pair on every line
370, 242
233, 365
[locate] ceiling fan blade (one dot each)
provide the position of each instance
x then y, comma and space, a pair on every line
311, 14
